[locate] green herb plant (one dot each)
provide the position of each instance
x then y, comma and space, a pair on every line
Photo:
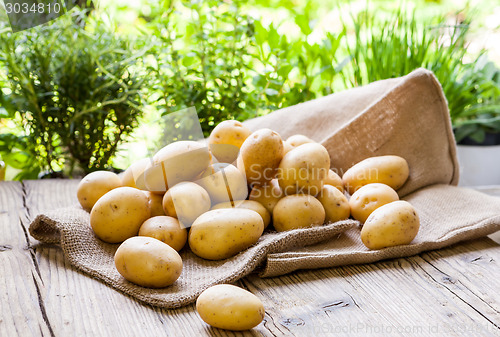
213, 56
396, 46
74, 87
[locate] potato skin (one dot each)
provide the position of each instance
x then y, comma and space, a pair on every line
334, 179
260, 156
119, 214
224, 182
152, 179
267, 195
148, 262
303, 169
295, 140
184, 161
186, 201
133, 172
226, 139
229, 307
94, 185
155, 203
389, 170
335, 204
165, 228
298, 211
393, 224
248, 204
222, 233
370, 197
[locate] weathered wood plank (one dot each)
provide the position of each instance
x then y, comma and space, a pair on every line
21, 307
79, 305
391, 298
471, 271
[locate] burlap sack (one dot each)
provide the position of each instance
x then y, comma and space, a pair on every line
407, 116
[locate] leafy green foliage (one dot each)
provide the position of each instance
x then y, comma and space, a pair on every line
293, 71
394, 47
14, 153
229, 66
76, 87
203, 66
73, 90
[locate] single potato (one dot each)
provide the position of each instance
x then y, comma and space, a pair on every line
224, 182
389, 170
94, 185
176, 162
334, 179
294, 141
222, 233
393, 224
134, 171
186, 201
248, 204
335, 204
260, 156
298, 211
167, 229
229, 307
148, 262
303, 169
119, 214
226, 139
267, 195
370, 197
155, 203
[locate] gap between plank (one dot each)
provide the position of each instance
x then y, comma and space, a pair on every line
31, 251
454, 293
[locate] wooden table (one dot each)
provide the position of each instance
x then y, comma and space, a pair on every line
453, 291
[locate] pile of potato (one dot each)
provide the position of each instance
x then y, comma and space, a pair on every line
220, 199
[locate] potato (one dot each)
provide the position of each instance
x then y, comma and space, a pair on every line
148, 262
94, 185
152, 179
298, 211
389, 170
119, 214
392, 224
303, 169
248, 204
260, 156
267, 195
155, 203
225, 140
176, 162
229, 307
167, 229
335, 204
294, 141
370, 197
132, 173
222, 233
224, 182
186, 201
334, 179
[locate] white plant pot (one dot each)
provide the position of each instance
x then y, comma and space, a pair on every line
479, 165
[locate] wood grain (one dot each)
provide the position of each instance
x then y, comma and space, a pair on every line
391, 298
21, 307
453, 291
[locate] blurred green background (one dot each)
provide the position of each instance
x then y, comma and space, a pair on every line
87, 91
